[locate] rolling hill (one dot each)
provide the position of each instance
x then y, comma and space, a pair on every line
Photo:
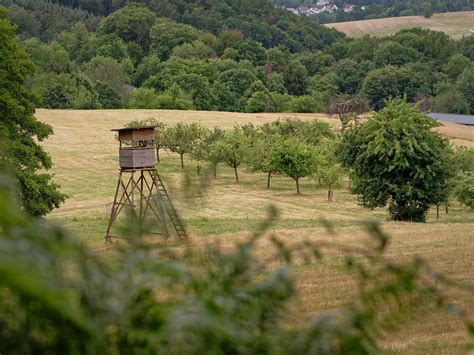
455, 24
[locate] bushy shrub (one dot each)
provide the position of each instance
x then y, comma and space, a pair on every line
107, 96
144, 98
175, 99
306, 104
55, 96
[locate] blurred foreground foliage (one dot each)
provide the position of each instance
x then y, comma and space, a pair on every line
58, 296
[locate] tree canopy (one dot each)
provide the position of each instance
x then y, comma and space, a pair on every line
233, 149
20, 131
242, 56
294, 159
397, 160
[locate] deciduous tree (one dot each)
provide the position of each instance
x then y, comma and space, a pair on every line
132, 23
144, 98
380, 85
295, 76
233, 149
20, 131
464, 189
294, 159
167, 34
107, 70
347, 107
397, 160
196, 49
328, 170
175, 98
463, 181
107, 95
182, 138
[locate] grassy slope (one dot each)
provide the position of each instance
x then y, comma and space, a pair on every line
85, 156
455, 24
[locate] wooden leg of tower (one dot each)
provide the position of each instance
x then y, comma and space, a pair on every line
142, 197
122, 202
128, 195
144, 185
113, 212
152, 196
147, 196
132, 191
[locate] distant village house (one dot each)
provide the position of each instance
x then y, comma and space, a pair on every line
319, 7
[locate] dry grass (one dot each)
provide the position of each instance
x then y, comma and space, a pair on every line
85, 155
460, 134
454, 24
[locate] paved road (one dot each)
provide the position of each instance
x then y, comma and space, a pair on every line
449, 117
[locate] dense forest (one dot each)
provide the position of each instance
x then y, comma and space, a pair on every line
228, 55
372, 9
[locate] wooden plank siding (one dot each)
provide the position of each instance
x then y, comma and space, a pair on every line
141, 134
137, 158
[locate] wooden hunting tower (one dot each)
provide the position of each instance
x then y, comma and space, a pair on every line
139, 187
137, 147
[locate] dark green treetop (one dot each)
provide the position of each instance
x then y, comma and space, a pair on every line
20, 129
398, 160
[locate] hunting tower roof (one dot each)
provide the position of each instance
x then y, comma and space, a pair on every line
142, 133
132, 128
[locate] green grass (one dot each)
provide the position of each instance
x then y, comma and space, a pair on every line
85, 155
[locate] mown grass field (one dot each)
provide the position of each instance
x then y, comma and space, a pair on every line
85, 155
454, 24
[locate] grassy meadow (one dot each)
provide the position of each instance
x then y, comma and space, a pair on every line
85, 156
454, 24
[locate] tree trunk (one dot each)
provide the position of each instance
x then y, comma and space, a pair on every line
330, 195
447, 207
236, 174
182, 160
198, 168
437, 211
269, 176
297, 186
158, 155
402, 213
349, 179
214, 170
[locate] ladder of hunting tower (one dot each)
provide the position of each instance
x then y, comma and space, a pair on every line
174, 217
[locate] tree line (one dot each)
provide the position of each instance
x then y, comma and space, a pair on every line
289, 147
134, 58
393, 159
